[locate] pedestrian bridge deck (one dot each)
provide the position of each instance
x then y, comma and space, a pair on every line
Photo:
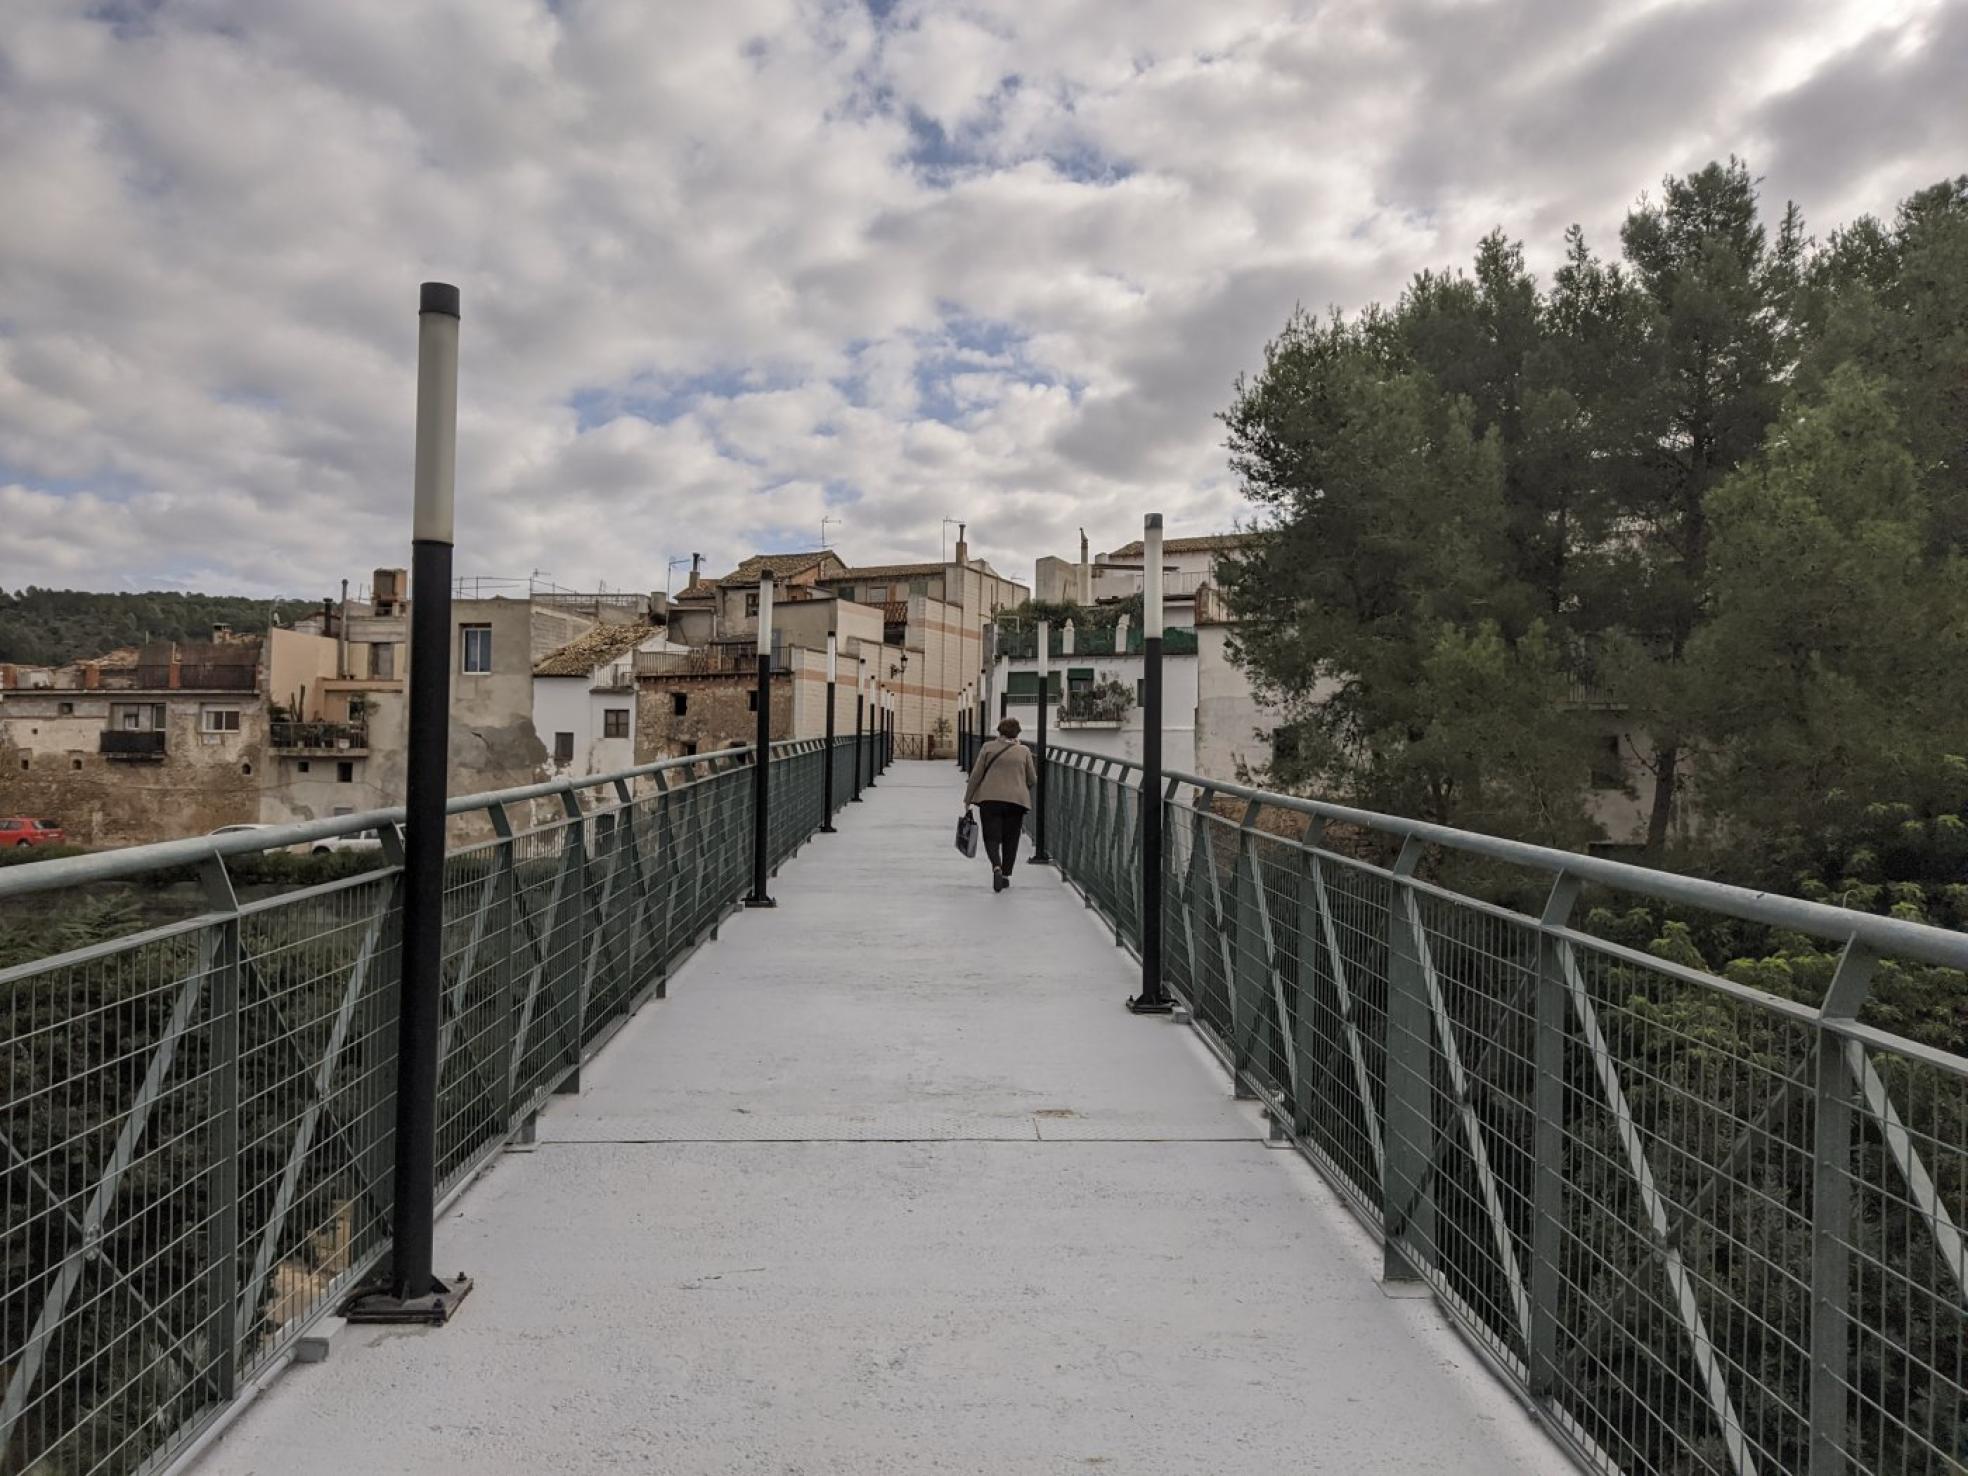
889, 1183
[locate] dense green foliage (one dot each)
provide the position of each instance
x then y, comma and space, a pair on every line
1711, 497
1719, 485
46, 627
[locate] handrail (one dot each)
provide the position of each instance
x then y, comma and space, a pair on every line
1891, 936
1595, 1157
130, 861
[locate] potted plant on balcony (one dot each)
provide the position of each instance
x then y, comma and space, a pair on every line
1103, 705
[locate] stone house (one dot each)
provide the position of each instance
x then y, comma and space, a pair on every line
584, 698
163, 740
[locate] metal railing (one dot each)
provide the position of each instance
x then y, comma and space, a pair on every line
132, 743
733, 658
196, 1138
1700, 1225
323, 736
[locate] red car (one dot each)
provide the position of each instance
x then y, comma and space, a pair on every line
23, 832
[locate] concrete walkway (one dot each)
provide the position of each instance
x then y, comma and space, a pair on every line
891, 1183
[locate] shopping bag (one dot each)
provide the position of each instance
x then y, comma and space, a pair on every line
967, 834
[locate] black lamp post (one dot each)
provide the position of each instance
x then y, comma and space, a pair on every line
1039, 854
1153, 999
762, 752
411, 1291
827, 768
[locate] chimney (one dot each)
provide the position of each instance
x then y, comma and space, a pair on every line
1085, 591
696, 571
963, 548
221, 634
91, 676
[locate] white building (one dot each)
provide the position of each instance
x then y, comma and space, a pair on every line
1188, 565
1096, 690
584, 699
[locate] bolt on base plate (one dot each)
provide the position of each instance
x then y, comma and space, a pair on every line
434, 1309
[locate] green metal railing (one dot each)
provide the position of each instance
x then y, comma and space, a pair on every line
197, 1118
1699, 1225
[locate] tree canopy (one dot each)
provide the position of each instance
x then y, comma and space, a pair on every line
1708, 498
47, 627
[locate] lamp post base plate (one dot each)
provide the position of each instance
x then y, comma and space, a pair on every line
1142, 1005
760, 902
433, 1309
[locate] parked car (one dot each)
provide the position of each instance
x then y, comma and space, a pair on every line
21, 831
362, 840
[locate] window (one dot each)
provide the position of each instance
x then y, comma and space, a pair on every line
342, 810
918, 586
345, 771
752, 700
752, 605
382, 660
1079, 679
219, 719
615, 722
304, 766
66, 709
77, 763
563, 748
690, 749
137, 718
1023, 686
477, 649
679, 703
246, 769
1608, 766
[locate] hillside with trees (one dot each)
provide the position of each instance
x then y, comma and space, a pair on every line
47, 627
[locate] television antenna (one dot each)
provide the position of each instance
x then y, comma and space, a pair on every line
823, 530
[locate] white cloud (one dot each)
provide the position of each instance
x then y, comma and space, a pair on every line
730, 268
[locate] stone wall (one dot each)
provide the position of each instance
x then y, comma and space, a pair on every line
50, 768
718, 714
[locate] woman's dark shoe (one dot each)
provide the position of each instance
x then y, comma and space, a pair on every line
999, 881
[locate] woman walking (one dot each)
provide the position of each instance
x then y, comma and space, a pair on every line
1001, 780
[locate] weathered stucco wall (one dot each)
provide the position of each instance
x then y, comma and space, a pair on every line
718, 714
297, 665
51, 767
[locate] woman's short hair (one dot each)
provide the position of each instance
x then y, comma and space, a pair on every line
1008, 728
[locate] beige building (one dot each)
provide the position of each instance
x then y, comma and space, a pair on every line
139, 745
931, 617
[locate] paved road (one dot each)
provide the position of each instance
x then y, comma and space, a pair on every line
891, 1183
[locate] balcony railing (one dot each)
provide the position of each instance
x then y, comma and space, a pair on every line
318, 737
202, 676
1092, 640
726, 660
132, 743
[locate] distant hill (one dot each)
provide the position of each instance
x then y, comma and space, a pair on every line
46, 627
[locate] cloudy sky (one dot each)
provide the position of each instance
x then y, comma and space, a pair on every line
733, 266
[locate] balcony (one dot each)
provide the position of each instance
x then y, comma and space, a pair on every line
312, 738
139, 745
732, 659
203, 676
